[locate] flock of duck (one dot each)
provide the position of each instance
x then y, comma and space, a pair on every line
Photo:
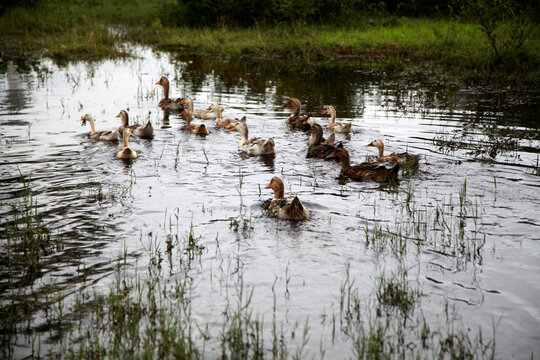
384, 169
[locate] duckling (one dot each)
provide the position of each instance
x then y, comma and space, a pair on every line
336, 126
317, 148
101, 135
220, 122
296, 120
253, 146
377, 171
401, 158
126, 152
285, 208
194, 129
143, 132
166, 103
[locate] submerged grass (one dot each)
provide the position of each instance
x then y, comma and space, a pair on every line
77, 30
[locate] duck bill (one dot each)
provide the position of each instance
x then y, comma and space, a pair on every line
232, 128
158, 83
268, 186
209, 108
325, 112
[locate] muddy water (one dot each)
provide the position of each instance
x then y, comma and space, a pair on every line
97, 207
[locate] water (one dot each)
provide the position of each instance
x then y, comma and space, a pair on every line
97, 207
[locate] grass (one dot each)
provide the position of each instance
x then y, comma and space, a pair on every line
146, 311
77, 30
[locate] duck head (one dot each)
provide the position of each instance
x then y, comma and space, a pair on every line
276, 184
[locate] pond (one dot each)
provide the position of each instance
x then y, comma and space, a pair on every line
457, 241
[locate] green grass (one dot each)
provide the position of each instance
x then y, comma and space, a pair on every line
95, 30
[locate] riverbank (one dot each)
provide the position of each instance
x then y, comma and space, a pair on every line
390, 44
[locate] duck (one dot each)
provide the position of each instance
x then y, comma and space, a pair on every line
296, 120
194, 129
401, 158
253, 146
331, 139
101, 135
220, 122
143, 132
285, 208
317, 148
376, 171
126, 152
336, 126
205, 114
166, 103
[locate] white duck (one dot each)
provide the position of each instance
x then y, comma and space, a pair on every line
126, 152
253, 146
101, 135
336, 126
143, 132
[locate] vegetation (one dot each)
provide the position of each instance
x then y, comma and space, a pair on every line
471, 38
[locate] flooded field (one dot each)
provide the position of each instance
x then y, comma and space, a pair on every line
174, 253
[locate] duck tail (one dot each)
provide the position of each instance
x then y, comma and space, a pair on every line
269, 143
331, 139
296, 210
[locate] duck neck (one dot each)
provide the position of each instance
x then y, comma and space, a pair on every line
333, 114
316, 137
218, 112
279, 191
189, 104
296, 107
92, 126
243, 130
381, 150
187, 113
345, 161
165, 86
125, 119
126, 137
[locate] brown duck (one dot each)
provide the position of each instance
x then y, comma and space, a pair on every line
401, 158
377, 171
317, 148
143, 132
285, 208
167, 103
194, 129
296, 120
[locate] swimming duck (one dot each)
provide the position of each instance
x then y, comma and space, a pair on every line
205, 114
126, 152
401, 158
317, 148
285, 208
377, 171
101, 135
143, 132
331, 139
253, 146
194, 129
336, 126
220, 122
166, 103
296, 120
